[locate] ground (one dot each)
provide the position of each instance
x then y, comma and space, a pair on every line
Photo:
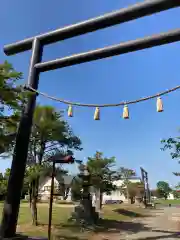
168, 201
118, 222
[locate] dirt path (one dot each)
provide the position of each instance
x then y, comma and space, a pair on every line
162, 224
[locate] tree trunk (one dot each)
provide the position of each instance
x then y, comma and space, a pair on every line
41, 152
30, 194
127, 193
40, 158
66, 193
34, 211
35, 189
101, 199
34, 203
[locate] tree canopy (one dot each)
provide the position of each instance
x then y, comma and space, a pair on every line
173, 145
101, 172
10, 92
11, 103
136, 189
163, 189
125, 174
50, 133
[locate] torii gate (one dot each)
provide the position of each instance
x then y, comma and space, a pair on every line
37, 43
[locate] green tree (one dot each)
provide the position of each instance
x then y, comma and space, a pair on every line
7, 173
102, 175
31, 175
1, 176
173, 145
25, 185
135, 190
9, 91
176, 191
3, 187
50, 135
11, 102
155, 193
176, 194
49, 131
76, 189
125, 174
163, 189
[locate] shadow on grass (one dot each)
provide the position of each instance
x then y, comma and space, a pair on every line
25, 237
129, 213
106, 225
73, 231
64, 237
115, 226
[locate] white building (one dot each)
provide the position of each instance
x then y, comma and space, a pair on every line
118, 195
170, 196
45, 187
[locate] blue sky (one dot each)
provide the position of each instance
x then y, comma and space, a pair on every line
134, 142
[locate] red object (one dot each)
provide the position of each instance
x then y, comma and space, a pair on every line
66, 159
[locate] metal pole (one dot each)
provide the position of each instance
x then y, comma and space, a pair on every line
51, 201
15, 183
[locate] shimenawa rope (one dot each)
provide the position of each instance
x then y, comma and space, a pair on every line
103, 105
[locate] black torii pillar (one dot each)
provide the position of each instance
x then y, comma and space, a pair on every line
12, 202
15, 183
147, 195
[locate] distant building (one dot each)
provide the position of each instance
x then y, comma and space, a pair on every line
170, 196
118, 194
45, 188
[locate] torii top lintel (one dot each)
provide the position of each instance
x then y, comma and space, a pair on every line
123, 15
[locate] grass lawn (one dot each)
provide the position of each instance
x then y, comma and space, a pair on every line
166, 202
112, 216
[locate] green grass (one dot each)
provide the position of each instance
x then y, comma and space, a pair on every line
166, 202
111, 216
